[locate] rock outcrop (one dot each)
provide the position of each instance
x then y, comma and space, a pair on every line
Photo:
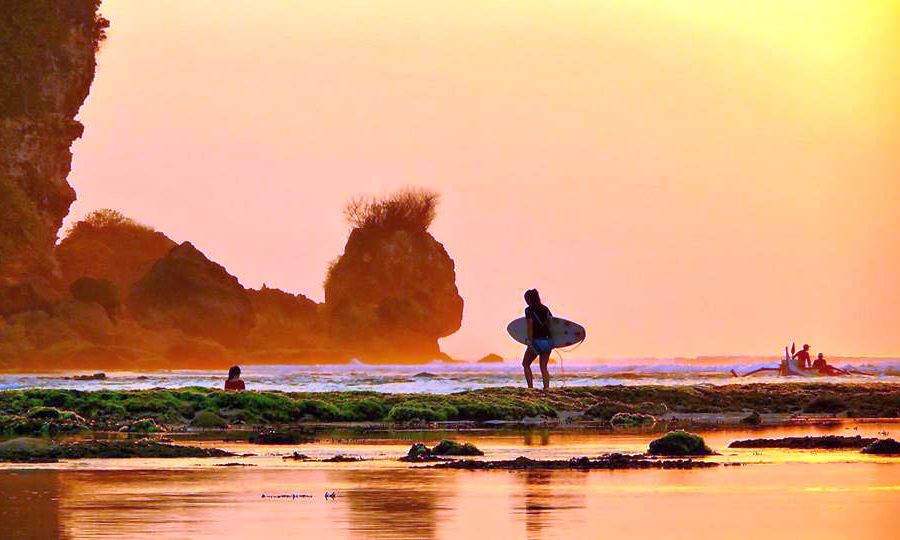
47, 64
187, 291
107, 245
284, 321
392, 293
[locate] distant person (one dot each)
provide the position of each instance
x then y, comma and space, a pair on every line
822, 367
803, 356
540, 344
234, 381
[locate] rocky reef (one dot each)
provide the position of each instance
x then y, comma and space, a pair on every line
47, 63
41, 451
607, 462
811, 442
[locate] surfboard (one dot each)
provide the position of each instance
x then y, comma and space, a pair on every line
564, 333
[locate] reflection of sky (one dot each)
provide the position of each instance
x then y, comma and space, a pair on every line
435, 378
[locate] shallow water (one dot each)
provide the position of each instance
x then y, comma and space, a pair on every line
776, 494
437, 378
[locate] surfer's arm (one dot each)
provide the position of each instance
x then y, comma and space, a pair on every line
530, 329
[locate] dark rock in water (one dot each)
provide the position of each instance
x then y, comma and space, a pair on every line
425, 375
632, 415
888, 447
110, 247
392, 293
235, 465
296, 456
452, 448
208, 419
679, 443
608, 462
340, 458
103, 449
752, 419
419, 453
825, 442
187, 291
491, 359
94, 377
279, 437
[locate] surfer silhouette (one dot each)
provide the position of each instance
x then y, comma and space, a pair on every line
803, 356
540, 344
234, 381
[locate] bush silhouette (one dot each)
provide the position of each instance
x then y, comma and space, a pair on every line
410, 208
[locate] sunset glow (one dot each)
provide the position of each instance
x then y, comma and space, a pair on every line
682, 177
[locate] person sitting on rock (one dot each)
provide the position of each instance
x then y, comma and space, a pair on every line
234, 381
822, 367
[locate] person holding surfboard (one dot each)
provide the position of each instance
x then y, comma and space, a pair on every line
540, 343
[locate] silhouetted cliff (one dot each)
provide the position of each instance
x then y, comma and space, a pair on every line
108, 245
47, 50
393, 293
186, 291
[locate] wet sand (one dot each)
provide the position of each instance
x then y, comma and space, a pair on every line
842, 494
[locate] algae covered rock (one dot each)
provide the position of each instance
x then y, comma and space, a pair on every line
452, 448
888, 447
208, 419
679, 443
141, 425
105, 449
752, 419
187, 291
631, 420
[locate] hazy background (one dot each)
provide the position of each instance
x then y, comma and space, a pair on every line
683, 177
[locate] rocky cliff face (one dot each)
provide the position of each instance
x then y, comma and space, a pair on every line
47, 50
107, 245
392, 294
186, 291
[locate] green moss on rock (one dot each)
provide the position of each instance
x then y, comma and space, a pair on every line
679, 443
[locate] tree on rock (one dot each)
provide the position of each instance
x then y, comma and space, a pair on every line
108, 245
392, 293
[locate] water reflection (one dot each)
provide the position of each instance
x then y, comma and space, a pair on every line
546, 498
385, 504
29, 504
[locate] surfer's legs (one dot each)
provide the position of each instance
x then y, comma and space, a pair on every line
529, 357
545, 373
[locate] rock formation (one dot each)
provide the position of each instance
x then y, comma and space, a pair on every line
107, 245
47, 50
187, 291
284, 321
393, 293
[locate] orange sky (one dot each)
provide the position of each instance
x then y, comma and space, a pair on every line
683, 177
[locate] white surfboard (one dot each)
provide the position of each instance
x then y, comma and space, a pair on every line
564, 333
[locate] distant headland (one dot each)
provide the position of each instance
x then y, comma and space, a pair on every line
114, 293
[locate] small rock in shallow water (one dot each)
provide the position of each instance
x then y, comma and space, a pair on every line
888, 447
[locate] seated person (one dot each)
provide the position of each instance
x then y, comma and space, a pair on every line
822, 367
803, 357
234, 381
